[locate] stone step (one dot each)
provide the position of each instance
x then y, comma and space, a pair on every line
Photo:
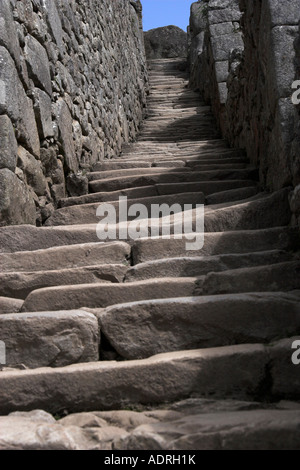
243, 430
20, 284
180, 138
216, 166
100, 295
157, 190
184, 145
101, 175
30, 238
203, 265
194, 157
236, 242
118, 164
111, 184
87, 213
261, 211
241, 371
231, 195
272, 277
191, 159
139, 330
269, 211
10, 305
50, 339
65, 257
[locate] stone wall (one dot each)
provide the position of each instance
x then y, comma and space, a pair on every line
242, 58
214, 31
73, 84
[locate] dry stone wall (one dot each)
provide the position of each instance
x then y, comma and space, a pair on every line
243, 59
73, 85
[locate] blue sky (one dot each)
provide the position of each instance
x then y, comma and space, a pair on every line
158, 13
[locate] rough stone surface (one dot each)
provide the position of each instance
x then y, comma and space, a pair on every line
141, 329
10, 305
282, 276
64, 257
164, 42
18, 284
50, 339
16, 204
8, 31
15, 103
233, 371
20, 433
8, 144
252, 430
42, 108
102, 294
38, 64
33, 172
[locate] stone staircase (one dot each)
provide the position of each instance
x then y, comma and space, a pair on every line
143, 344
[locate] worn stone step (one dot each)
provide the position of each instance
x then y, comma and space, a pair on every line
238, 242
194, 157
20, 284
142, 329
101, 175
118, 164
272, 277
87, 213
269, 211
101, 294
112, 184
30, 238
10, 305
203, 265
232, 371
204, 144
221, 158
50, 339
201, 424
259, 212
157, 190
63, 257
231, 195
224, 166
241, 430
204, 134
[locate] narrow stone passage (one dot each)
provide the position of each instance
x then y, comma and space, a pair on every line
205, 335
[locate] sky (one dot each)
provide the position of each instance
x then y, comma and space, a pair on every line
158, 13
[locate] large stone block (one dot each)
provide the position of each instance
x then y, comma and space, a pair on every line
8, 144
282, 13
64, 123
33, 172
42, 109
54, 22
38, 64
198, 18
16, 203
8, 31
233, 371
282, 59
53, 339
222, 45
224, 15
141, 329
15, 103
